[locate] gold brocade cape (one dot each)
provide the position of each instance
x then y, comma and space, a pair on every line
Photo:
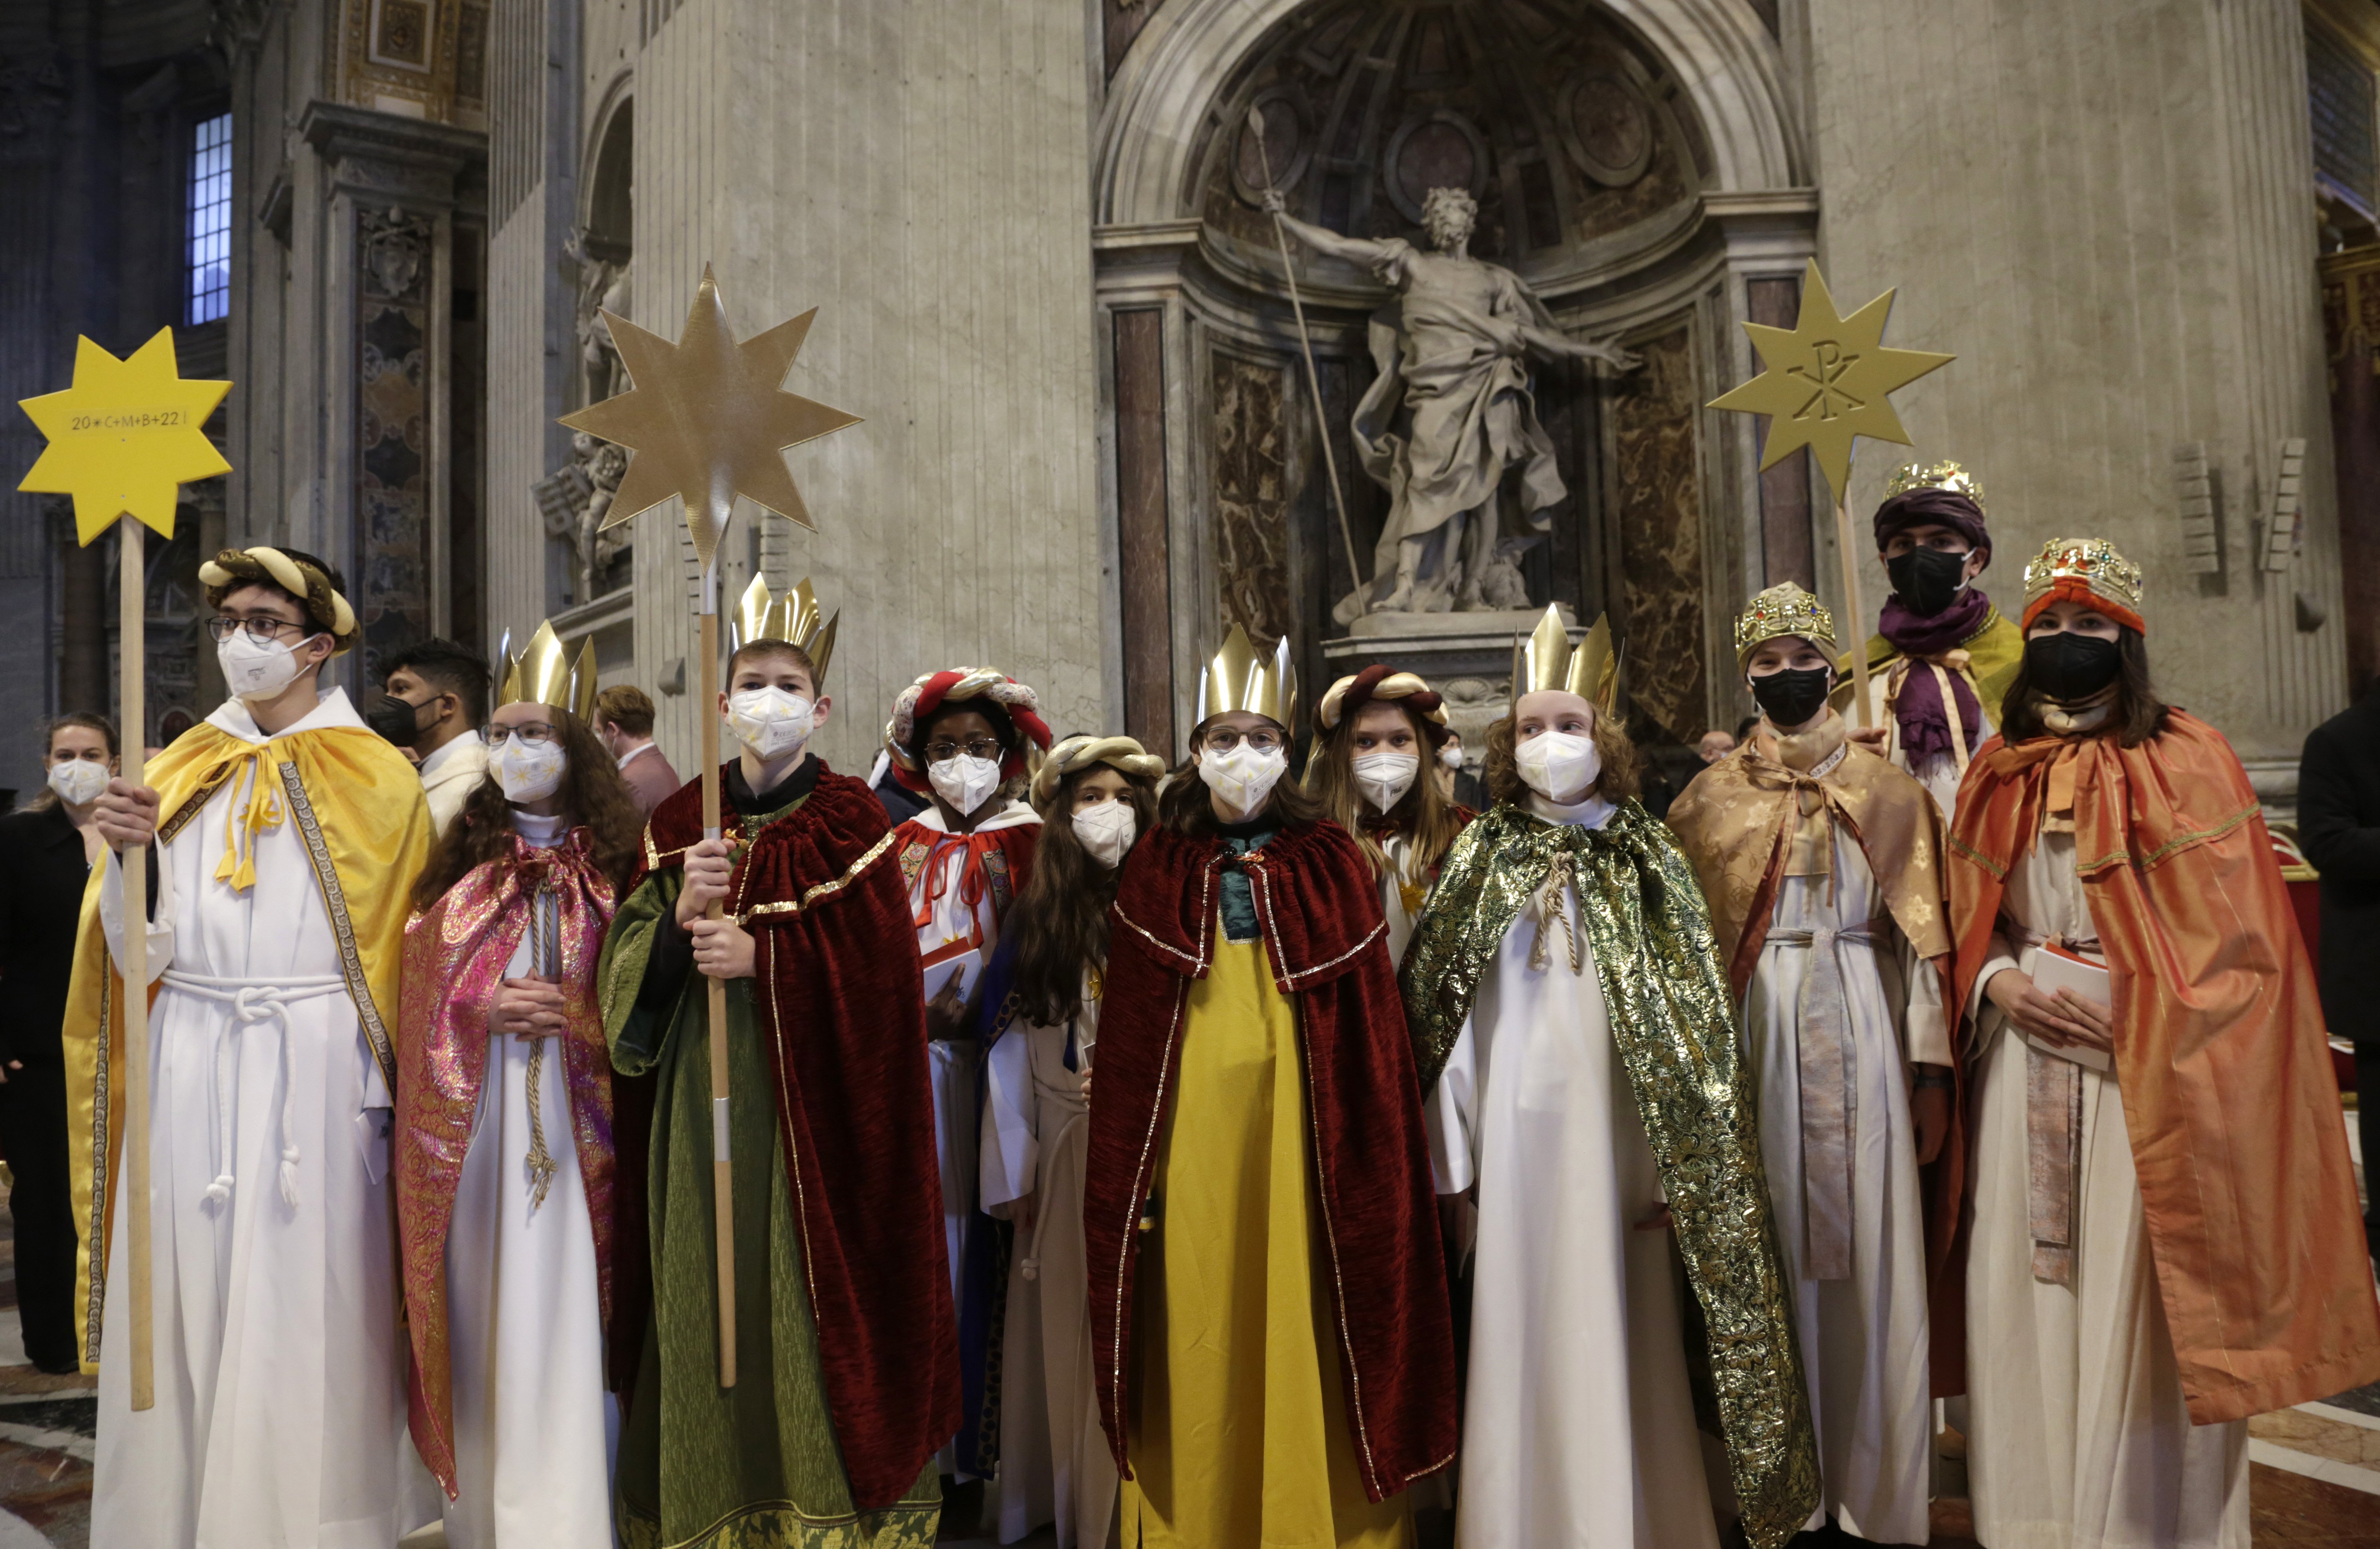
1736, 822
358, 805
1675, 1026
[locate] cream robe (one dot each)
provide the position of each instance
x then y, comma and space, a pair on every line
1578, 1427
2077, 1433
1054, 1462
1863, 1339
280, 1366
534, 1429
1940, 773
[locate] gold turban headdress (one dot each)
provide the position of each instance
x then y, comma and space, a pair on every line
1124, 755
325, 608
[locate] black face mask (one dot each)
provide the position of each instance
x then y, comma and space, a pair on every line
1792, 696
397, 719
2068, 666
1926, 580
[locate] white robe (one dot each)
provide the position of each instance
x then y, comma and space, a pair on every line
1578, 1426
534, 1429
1939, 773
953, 1061
1054, 1462
2077, 1436
1863, 1339
280, 1413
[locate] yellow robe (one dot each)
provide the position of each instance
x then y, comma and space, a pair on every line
359, 804
1239, 1434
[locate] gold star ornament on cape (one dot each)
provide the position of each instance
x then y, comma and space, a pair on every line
707, 418
125, 437
1828, 379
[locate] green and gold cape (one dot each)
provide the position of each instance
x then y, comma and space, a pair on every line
1673, 1019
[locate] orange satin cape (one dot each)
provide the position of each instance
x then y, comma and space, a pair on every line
2220, 1055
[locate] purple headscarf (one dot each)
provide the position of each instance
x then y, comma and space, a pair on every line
1924, 720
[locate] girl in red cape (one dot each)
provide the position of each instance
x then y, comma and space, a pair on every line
2164, 1235
1268, 1296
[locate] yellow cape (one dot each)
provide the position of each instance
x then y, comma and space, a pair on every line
358, 805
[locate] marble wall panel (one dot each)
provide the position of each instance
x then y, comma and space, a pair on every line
1250, 497
392, 510
1656, 518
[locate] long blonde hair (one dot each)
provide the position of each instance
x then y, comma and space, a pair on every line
1424, 815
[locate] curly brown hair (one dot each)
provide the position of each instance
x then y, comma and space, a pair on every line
593, 796
1622, 775
1059, 924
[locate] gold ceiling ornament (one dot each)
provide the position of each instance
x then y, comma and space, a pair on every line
1945, 475
544, 674
1546, 660
1236, 678
1784, 608
1828, 379
707, 418
793, 618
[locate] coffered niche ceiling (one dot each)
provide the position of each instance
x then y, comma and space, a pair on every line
1593, 175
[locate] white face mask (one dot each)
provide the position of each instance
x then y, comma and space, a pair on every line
528, 772
257, 669
1243, 778
1558, 766
1107, 830
965, 781
1384, 778
1450, 755
772, 722
79, 781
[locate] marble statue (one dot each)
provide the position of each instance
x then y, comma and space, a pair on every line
575, 499
1450, 415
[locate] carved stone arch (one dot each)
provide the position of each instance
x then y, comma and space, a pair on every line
606, 206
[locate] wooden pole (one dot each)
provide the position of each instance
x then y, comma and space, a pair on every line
1855, 628
131, 636
721, 1168
1313, 377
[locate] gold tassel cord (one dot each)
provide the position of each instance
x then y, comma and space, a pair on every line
1560, 878
544, 952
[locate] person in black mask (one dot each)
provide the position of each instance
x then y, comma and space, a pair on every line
1943, 655
433, 701
1822, 864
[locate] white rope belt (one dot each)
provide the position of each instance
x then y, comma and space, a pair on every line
253, 1001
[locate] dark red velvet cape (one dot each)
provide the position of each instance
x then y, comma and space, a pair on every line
1318, 917
843, 1014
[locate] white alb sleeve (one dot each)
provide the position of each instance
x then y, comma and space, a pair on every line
161, 915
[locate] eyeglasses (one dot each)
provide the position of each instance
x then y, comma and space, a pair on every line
263, 629
982, 747
534, 734
1223, 739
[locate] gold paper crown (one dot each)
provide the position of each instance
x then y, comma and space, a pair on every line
1783, 609
544, 674
1546, 660
1935, 476
793, 618
2091, 565
1238, 679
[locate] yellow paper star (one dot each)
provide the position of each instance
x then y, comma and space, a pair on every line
125, 437
1829, 379
707, 418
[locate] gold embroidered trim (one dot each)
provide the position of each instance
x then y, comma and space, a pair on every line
96, 1243
190, 809
1197, 964
785, 1118
823, 891
2178, 842
747, 1524
1330, 1236
2000, 872
334, 896
1140, 1182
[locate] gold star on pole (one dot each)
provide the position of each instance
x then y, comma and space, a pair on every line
125, 437
1829, 379
707, 418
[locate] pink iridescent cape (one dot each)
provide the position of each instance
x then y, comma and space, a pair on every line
455, 953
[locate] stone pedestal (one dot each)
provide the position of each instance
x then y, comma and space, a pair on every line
1466, 657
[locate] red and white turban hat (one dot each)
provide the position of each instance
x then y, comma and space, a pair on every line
1350, 694
921, 699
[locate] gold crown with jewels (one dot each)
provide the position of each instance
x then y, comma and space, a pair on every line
1935, 476
2079, 568
1784, 608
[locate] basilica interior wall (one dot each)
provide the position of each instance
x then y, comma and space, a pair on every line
2106, 212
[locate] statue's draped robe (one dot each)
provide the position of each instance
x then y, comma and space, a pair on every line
508, 1287
1822, 864
1579, 1098
1450, 409
2214, 1269
848, 1367
282, 868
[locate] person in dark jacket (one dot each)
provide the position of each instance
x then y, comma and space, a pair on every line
2338, 828
45, 853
